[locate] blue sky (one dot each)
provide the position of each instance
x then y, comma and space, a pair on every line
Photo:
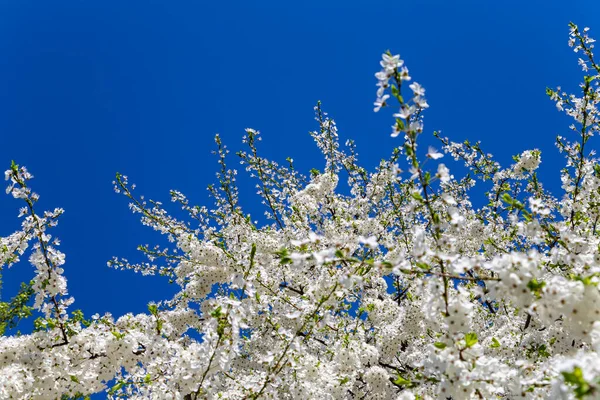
141, 87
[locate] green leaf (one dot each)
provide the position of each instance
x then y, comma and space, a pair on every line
252, 254
282, 253
495, 343
427, 177
402, 381
153, 308
400, 125
507, 199
440, 345
581, 387
216, 313
74, 379
417, 196
542, 351
470, 339
11, 313
574, 377
285, 260
422, 265
118, 335
118, 386
536, 287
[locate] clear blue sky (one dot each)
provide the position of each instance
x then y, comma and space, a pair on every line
141, 87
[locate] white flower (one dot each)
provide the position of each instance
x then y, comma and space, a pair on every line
449, 200
383, 77
417, 89
528, 161
404, 75
380, 102
538, 207
405, 112
443, 173
414, 172
433, 153
294, 314
395, 131
370, 242
416, 126
421, 102
390, 63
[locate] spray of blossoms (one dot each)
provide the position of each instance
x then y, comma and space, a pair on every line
398, 288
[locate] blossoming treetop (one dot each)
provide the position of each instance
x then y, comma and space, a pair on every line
396, 289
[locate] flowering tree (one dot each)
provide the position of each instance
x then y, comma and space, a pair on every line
395, 288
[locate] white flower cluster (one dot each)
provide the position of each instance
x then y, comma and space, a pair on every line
408, 118
394, 287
